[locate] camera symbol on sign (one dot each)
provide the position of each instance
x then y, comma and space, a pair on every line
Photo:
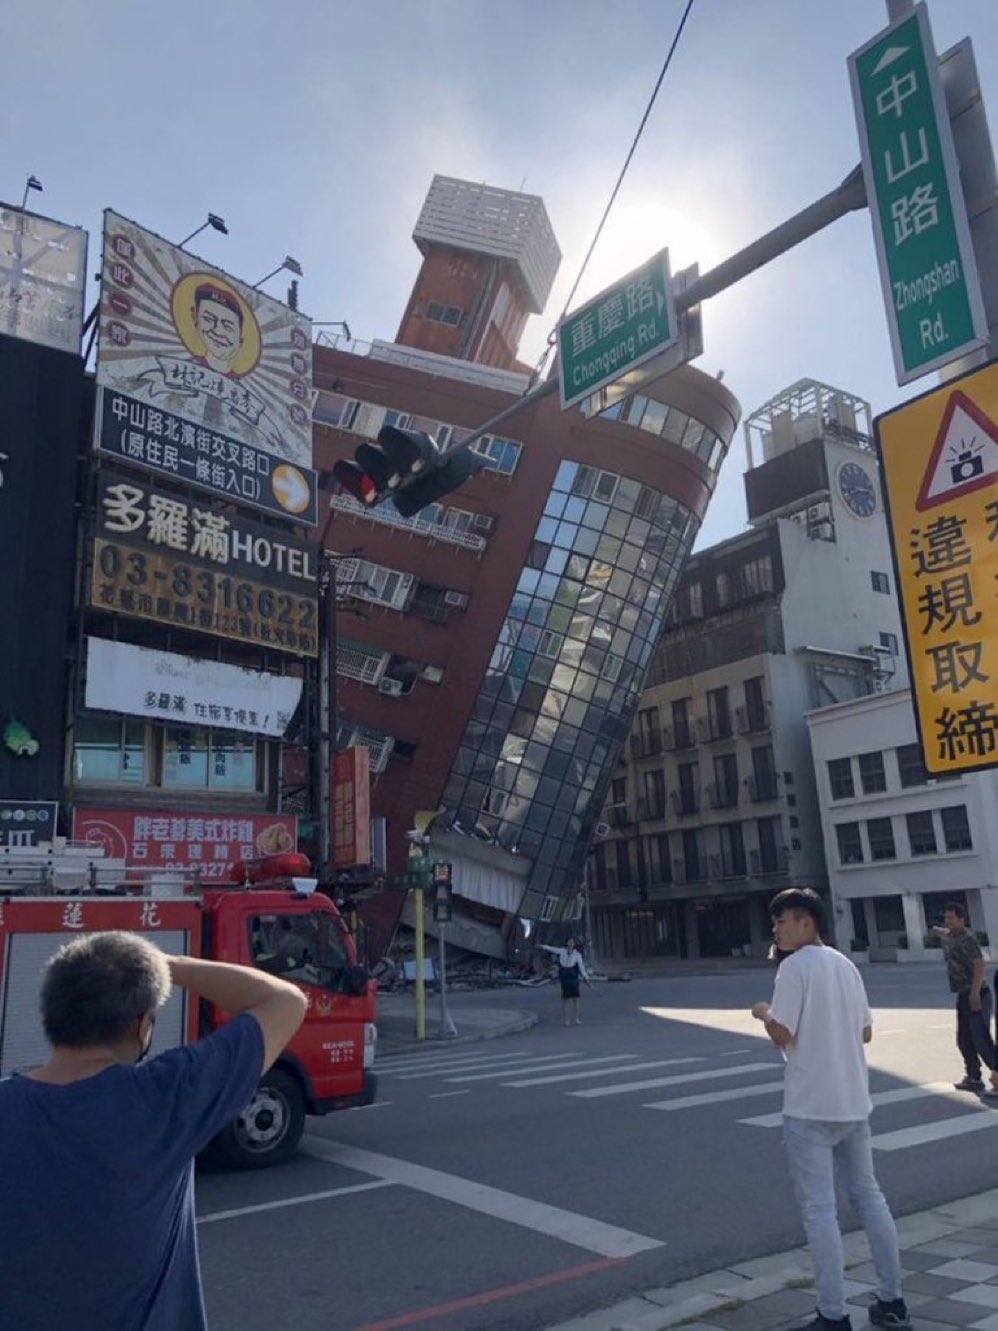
969, 463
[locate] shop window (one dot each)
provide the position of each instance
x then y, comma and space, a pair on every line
109, 751
214, 759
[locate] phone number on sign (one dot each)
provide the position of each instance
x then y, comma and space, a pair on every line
156, 586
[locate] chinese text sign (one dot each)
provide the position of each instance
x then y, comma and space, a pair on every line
939, 455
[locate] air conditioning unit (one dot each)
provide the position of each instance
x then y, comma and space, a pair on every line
482, 522
602, 830
495, 802
457, 599
393, 687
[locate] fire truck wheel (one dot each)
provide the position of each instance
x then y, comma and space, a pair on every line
269, 1129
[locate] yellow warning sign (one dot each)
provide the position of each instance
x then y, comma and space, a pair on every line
939, 462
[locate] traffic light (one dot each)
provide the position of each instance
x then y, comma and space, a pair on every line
407, 467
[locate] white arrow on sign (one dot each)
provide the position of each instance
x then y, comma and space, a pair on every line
965, 455
890, 55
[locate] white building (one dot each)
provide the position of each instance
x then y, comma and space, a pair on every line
899, 843
715, 809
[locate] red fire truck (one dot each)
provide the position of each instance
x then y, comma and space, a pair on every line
270, 923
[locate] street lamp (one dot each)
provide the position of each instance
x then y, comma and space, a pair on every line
289, 264
214, 221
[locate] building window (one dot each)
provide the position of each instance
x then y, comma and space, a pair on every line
689, 794
429, 602
443, 314
654, 796
755, 704
682, 730
732, 851
693, 855
718, 714
107, 752
501, 455
355, 660
723, 589
840, 778
756, 576
622, 850
661, 858
911, 768
216, 759
881, 836
880, 582
890, 641
850, 843
921, 833
956, 828
695, 594
871, 773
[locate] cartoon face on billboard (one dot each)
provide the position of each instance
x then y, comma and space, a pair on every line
204, 379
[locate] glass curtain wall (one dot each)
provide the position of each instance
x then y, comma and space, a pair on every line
566, 674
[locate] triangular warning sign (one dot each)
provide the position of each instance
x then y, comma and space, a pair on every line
964, 456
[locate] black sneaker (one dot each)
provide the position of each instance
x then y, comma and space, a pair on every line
823, 1323
893, 1314
969, 1084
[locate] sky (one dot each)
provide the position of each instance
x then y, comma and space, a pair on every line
314, 129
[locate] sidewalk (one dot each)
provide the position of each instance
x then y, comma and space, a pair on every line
949, 1256
397, 1023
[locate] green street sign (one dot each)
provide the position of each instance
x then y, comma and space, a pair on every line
620, 328
927, 269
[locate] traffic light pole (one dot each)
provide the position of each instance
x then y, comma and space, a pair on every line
327, 712
447, 1028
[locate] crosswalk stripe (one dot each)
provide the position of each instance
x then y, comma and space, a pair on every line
601, 1072
442, 1066
716, 1097
508, 1072
941, 1130
655, 1082
942, 1089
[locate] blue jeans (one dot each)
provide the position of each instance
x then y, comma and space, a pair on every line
815, 1151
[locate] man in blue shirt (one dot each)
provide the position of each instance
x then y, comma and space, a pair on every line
97, 1223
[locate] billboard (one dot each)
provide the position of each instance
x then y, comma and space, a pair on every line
162, 686
159, 556
181, 840
351, 808
43, 269
40, 395
201, 378
27, 822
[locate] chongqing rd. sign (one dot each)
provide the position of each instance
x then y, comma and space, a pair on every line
939, 458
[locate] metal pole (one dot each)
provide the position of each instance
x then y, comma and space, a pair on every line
327, 715
845, 198
417, 905
447, 1028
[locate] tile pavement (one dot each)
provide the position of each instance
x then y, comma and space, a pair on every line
950, 1260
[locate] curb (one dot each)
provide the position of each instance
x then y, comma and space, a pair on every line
690, 1303
518, 1021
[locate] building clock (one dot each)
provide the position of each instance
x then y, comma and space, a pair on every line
857, 489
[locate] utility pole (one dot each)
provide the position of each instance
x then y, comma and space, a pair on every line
442, 912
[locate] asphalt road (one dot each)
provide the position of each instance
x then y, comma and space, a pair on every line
519, 1182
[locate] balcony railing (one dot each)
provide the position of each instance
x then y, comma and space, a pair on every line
685, 802
762, 788
651, 809
722, 795
646, 744
619, 816
751, 720
416, 526
682, 736
768, 862
712, 729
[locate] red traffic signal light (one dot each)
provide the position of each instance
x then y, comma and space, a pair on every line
407, 467
357, 482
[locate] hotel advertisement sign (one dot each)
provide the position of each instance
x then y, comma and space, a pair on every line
201, 377
161, 557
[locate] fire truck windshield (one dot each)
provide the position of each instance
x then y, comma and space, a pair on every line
307, 948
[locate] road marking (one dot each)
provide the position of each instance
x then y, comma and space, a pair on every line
941, 1130
731, 1053
654, 1082
569, 1226
378, 1104
548, 1060
601, 1072
393, 1064
944, 1089
445, 1095
942, 1026
512, 1072
490, 1296
716, 1097
238, 1211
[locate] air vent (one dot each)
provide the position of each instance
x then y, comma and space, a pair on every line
456, 599
393, 687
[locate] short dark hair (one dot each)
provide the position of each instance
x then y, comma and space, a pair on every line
802, 899
957, 908
96, 988
221, 297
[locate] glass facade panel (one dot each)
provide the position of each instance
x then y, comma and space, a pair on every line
579, 633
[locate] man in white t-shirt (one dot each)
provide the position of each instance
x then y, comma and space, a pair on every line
820, 1019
